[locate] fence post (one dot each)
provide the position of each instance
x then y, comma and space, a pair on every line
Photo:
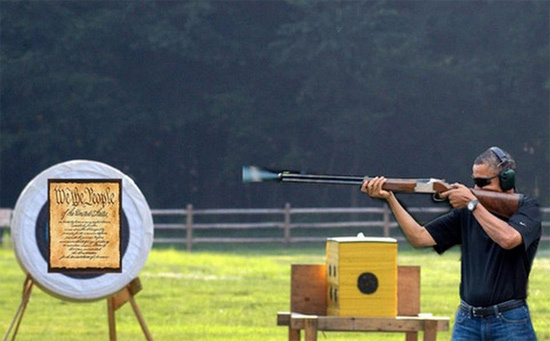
189, 227
386, 220
286, 226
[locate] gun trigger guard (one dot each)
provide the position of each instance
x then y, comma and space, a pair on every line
437, 198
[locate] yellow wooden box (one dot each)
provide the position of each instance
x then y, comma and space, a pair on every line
361, 276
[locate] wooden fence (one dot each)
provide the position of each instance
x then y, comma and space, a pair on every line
287, 225
281, 222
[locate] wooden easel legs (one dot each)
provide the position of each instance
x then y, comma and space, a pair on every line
27, 290
114, 302
117, 300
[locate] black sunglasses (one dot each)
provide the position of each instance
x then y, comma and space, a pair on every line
482, 182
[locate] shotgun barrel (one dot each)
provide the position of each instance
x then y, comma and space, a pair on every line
501, 204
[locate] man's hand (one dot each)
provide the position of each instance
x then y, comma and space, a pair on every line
498, 230
417, 235
374, 188
459, 195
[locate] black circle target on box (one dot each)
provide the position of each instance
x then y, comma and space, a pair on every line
30, 233
367, 283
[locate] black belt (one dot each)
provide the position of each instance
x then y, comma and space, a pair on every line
492, 310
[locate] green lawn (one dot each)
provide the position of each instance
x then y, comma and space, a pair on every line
215, 293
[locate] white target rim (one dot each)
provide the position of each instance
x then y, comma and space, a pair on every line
27, 209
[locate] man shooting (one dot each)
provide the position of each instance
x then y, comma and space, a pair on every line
497, 252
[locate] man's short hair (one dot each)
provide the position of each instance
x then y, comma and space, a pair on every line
490, 158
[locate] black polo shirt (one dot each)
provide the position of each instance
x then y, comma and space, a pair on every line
490, 274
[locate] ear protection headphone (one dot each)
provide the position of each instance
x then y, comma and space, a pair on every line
506, 177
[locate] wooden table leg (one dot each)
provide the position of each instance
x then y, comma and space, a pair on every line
430, 330
310, 329
293, 334
411, 336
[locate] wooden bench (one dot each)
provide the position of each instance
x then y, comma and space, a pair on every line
308, 308
410, 325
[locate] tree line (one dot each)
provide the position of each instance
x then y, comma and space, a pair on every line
180, 94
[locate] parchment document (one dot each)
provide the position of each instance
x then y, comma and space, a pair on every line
85, 225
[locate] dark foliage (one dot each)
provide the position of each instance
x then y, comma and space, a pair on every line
180, 94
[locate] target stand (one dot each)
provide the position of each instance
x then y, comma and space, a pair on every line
71, 215
117, 300
114, 302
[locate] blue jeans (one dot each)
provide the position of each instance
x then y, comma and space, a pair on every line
513, 325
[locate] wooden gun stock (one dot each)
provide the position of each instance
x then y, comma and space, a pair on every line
501, 204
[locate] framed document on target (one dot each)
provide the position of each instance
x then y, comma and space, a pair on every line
85, 225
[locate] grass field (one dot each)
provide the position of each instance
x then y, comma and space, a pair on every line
215, 293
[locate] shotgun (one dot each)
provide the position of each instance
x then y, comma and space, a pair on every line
502, 204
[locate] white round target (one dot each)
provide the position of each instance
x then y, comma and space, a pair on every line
30, 234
